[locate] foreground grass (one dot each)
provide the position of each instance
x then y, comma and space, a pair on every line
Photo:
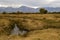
46, 34
40, 26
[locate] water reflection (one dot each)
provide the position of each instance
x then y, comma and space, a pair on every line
16, 31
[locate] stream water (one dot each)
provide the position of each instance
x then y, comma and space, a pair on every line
17, 31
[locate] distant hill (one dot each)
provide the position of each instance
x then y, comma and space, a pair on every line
52, 9
27, 9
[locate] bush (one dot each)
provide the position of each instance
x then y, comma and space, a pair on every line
4, 12
43, 11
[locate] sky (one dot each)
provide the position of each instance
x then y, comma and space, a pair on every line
30, 3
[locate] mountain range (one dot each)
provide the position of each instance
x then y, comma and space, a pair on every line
28, 9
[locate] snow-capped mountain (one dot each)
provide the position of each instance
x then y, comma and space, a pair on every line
27, 9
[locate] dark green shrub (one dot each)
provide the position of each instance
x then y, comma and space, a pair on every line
43, 11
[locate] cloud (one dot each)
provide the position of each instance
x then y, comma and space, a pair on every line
33, 3
54, 3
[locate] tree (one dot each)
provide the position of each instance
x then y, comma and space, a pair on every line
4, 12
18, 12
43, 10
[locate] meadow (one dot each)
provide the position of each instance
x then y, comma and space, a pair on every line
38, 26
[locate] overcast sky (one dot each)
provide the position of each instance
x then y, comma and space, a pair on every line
32, 3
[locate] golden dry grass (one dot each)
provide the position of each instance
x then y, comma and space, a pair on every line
46, 34
49, 23
5, 26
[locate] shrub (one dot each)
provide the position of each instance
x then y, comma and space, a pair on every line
43, 11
